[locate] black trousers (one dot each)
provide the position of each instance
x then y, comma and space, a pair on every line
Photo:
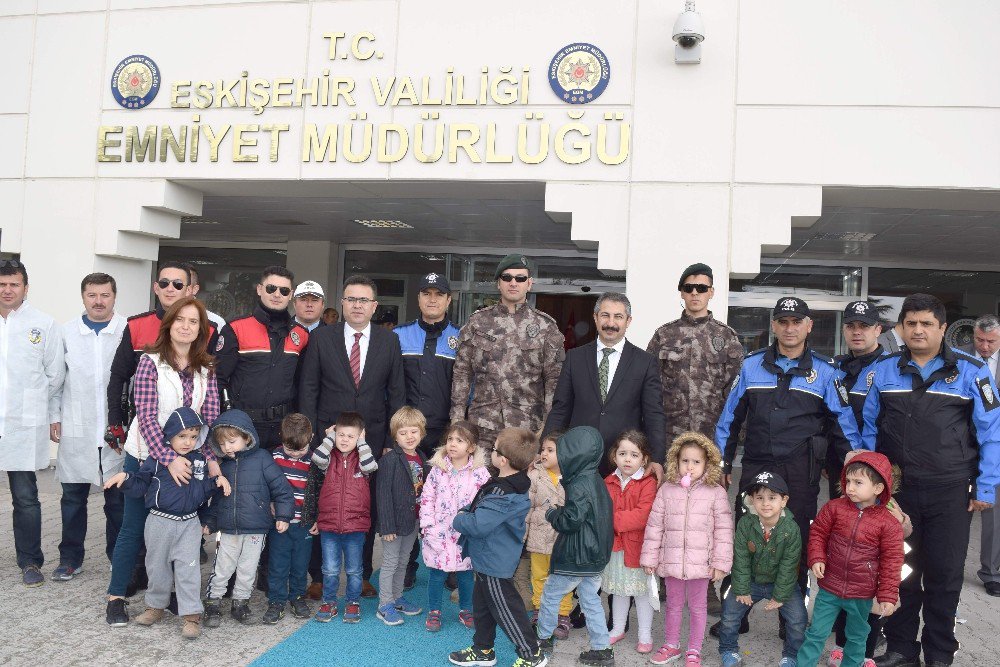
369, 546
495, 602
939, 544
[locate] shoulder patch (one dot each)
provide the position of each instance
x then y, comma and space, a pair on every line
990, 401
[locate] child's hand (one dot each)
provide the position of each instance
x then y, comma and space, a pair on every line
886, 609
223, 483
744, 600
205, 530
361, 438
116, 481
281, 526
314, 529
772, 604
332, 431
819, 569
718, 575
389, 538
649, 570
894, 510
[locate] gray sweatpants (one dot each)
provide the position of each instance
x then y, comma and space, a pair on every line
395, 556
239, 554
173, 559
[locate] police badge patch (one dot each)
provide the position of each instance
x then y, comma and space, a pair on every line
222, 341
295, 337
951, 378
453, 342
842, 393
870, 379
35, 336
986, 391
718, 342
532, 330
135, 82
812, 375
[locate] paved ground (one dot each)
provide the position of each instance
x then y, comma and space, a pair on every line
63, 623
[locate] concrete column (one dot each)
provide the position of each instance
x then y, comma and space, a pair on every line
316, 260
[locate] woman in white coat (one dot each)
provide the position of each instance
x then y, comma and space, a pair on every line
83, 458
176, 371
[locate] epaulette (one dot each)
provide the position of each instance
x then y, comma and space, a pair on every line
725, 326
822, 357
141, 315
965, 356
756, 352
889, 355
546, 316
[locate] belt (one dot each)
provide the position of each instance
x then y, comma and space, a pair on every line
174, 517
273, 413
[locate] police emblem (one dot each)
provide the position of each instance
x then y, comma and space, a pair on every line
579, 73
222, 341
870, 379
718, 342
453, 342
135, 82
861, 307
295, 337
842, 390
812, 375
763, 478
532, 330
989, 398
988, 393
35, 336
789, 304
951, 378
432, 277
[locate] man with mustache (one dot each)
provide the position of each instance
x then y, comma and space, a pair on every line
612, 385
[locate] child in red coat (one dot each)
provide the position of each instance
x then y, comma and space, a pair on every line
632, 494
856, 553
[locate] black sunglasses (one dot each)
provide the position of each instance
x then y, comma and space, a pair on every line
10, 264
693, 287
507, 277
164, 283
271, 289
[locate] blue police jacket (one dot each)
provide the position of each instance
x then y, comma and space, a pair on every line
784, 411
944, 430
428, 361
857, 375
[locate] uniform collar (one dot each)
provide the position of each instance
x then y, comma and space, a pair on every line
804, 366
687, 319
947, 355
851, 364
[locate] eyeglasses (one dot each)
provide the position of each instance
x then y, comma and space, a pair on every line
11, 264
271, 289
164, 283
695, 287
507, 277
363, 300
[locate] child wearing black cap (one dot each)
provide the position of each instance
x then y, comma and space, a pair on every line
173, 529
767, 548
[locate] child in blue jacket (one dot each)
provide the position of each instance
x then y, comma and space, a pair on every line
492, 535
173, 531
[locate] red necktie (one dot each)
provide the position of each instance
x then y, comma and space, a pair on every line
356, 360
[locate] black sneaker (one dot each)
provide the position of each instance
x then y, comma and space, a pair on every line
473, 657
600, 658
410, 580
300, 608
241, 611
212, 618
546, 645
537, 660
744, 627
117, 614
275, 612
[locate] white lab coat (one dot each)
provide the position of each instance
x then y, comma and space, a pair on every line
31, 376
83, 456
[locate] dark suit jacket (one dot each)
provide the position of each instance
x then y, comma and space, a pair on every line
635, 398
326, 386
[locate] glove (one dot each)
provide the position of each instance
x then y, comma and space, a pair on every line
115, 437
321, 455
365, 459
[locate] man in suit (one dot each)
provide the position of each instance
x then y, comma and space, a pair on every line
612, 385
986, 347
353, 366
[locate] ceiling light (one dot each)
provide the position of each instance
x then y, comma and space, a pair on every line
384, 224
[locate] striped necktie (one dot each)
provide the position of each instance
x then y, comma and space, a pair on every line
356, 359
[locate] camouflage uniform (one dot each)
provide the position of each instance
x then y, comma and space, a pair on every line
699, 359
511, 363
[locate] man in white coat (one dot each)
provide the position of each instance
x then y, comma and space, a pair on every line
84, 459
31, 376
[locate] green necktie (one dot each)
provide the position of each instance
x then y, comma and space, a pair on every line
602, 372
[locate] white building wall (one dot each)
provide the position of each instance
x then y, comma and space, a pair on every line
791, 96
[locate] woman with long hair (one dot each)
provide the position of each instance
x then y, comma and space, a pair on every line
176, 370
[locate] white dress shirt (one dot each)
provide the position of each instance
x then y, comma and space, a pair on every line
991, 362
613, 358
366, 335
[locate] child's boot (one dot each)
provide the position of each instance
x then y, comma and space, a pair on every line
192, 626
241, 610
149, 616
213, 615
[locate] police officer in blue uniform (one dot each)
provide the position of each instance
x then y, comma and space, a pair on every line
932, 411
429, 344
794, 408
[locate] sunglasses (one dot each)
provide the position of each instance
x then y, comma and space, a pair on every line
693, 287
164, 283
271, 289
10, 264
507, 277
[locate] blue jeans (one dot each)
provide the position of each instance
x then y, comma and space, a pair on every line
73, 505
27, 518
588, 590
130, 537
793, 611
435, 588
288, 562
342, 549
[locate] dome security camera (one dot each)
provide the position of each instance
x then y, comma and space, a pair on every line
689, 33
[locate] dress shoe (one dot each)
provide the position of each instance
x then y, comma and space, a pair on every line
893, 659
368, 591
993, 588
315, 591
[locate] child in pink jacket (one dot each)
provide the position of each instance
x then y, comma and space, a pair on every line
458, 469
689, 540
